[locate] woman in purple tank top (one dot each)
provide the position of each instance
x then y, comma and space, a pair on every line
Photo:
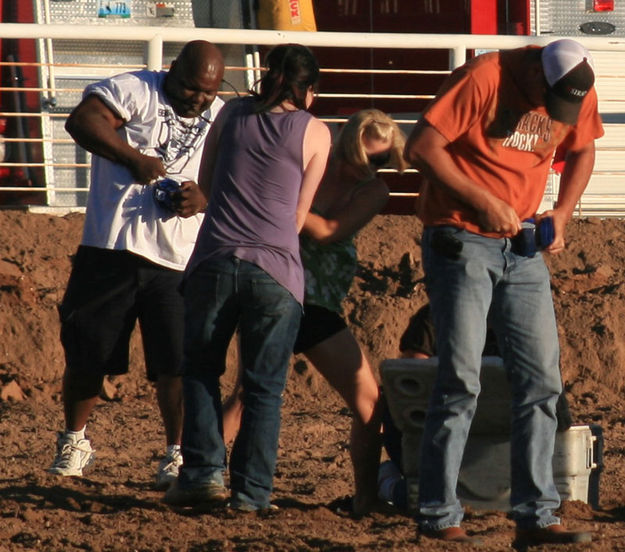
262, 163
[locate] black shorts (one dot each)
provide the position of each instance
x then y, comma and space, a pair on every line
107, 292
317, 325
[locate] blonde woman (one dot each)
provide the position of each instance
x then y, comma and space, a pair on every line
349, 196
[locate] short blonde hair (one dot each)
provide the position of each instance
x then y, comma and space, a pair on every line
373, 124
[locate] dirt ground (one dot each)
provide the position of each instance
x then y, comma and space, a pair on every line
114, 507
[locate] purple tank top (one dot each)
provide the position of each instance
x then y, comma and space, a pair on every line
255, 189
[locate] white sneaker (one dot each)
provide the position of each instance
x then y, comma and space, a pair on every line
168, 470
72, 456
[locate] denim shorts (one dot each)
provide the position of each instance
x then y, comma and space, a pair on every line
107, 292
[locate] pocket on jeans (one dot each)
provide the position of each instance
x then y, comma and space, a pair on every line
445, 243
269, 294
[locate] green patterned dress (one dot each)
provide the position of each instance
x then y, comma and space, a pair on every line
328, 271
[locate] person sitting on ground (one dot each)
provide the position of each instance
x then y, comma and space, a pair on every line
349, 196
140, 127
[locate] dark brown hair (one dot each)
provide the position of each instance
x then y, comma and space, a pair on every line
291, 70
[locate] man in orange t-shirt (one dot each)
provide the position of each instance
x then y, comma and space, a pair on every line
485, 145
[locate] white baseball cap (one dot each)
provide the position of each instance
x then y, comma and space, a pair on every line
568, 69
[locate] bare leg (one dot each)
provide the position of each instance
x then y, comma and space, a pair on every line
169, 398
80, 395
340, 360
232, 408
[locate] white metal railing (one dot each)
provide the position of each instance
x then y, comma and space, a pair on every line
605, 195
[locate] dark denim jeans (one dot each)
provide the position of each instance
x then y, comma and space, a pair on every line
220, 296
466, 277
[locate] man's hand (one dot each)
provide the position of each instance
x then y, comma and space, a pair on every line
146, 169
560, 219
497, 216
189, 200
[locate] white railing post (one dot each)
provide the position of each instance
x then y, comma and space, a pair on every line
154, 59
457, 57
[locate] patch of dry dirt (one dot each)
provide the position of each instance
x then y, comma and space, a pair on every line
115, 508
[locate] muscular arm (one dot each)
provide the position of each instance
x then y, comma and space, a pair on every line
573, 182
316, 148
426, 149
368, 202
93, 125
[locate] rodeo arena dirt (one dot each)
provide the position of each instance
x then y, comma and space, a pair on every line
115, 507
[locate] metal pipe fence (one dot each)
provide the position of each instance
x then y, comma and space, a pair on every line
39, 163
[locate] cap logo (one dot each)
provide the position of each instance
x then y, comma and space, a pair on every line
577, 92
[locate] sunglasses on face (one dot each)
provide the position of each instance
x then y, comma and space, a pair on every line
379, 159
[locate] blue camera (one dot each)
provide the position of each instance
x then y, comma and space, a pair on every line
165, 191
533, 237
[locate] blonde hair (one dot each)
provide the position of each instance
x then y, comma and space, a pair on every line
372, 124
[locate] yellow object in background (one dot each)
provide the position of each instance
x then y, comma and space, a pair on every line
286, 15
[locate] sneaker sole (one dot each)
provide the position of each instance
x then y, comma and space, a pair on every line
65, 472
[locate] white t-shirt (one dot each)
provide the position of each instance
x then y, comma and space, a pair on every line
124, 215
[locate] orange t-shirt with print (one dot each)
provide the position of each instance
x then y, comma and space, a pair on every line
498, 139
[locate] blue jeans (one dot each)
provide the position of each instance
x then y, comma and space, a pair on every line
486, 279
220, 296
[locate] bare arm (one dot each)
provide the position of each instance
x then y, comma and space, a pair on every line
316, 149
426, 149
366, 203
93, 125
573, 182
